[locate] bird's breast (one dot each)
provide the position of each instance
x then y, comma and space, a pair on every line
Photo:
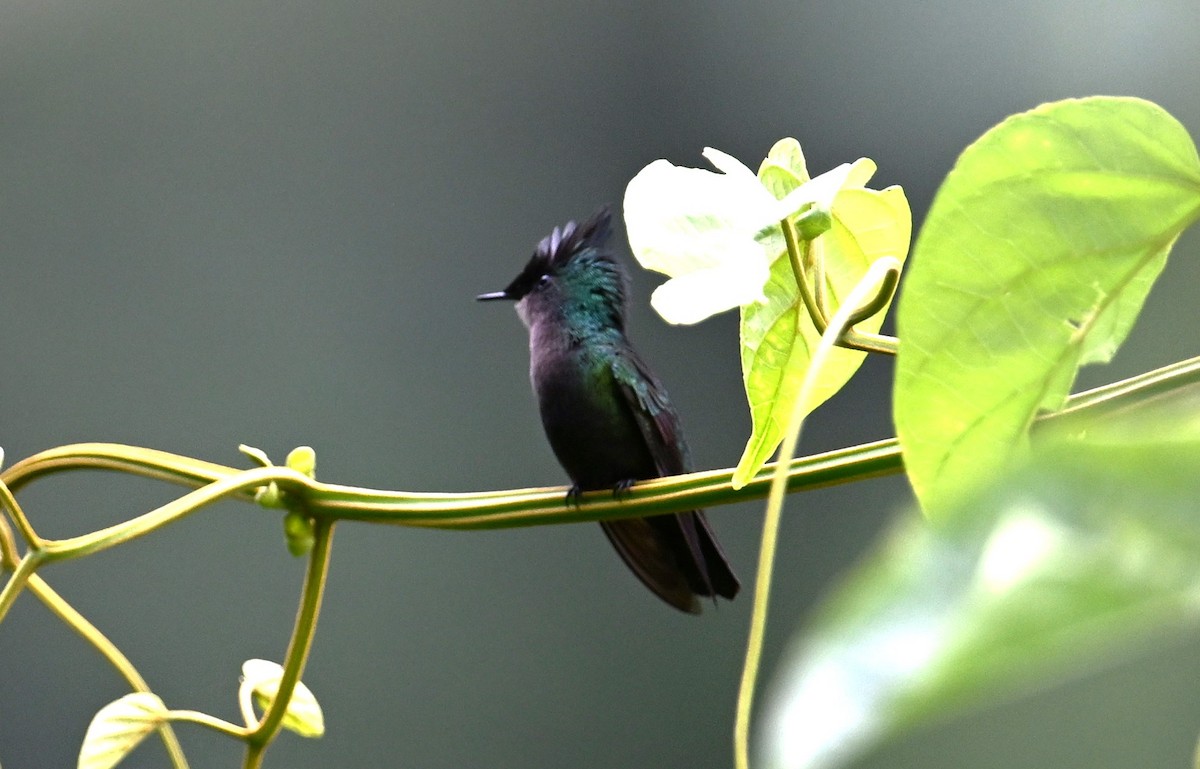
588, 421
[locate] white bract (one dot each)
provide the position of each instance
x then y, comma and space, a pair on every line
712, 232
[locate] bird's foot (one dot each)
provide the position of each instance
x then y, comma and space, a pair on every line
573, 495
622, 488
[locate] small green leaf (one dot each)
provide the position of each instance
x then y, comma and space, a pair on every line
1035, 258
303, 714
303, 459
1080, 555
118, 728
258, 456
784, 168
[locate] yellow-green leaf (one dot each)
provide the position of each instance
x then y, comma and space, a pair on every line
118, 728
303, 714
779, 337
784, 168
1035, 258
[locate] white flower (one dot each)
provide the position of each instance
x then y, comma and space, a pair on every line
705, 229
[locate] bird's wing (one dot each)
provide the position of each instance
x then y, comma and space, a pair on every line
709, 572
647, 400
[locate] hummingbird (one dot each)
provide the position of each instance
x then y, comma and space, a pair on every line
606, 415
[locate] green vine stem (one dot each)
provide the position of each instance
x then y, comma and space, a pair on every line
531, 506
18, 581
212, 722
237, 482
9, 502
545, 505
477, 510
298, 648
880, 274
807, 260
799, 252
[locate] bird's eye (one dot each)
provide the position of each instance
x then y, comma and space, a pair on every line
544, 279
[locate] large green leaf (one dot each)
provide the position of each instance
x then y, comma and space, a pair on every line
1086, 550
1036, 257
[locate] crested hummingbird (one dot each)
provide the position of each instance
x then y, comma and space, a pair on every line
606, 415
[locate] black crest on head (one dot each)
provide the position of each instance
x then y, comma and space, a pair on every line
557, 248
563, 245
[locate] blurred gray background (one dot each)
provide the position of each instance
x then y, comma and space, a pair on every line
226, 222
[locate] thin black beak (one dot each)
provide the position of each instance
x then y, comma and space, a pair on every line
493, 296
